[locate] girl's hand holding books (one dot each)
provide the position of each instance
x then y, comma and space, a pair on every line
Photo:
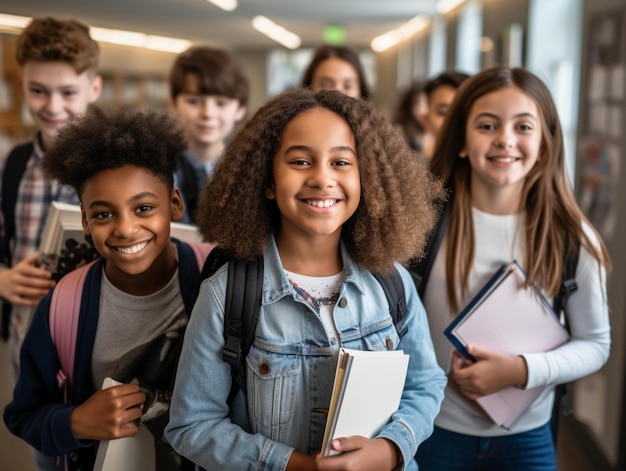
490, 373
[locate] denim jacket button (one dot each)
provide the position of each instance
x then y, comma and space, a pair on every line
264, 369
389, 343
343, 302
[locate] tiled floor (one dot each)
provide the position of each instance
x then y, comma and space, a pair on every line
15, 455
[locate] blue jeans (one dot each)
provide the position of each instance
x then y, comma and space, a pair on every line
450, 451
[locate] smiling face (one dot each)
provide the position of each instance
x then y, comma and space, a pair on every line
55, 94
316, 184
337, 74
206, 119
127, 211
503, 142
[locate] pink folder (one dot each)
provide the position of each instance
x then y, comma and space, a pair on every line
509, 318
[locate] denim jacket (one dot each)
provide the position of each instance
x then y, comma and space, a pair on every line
290, 372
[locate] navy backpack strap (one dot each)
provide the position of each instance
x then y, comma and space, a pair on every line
189, 187
14, 169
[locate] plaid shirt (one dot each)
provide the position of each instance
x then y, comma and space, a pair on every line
34, 196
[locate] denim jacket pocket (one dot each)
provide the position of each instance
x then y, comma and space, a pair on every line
377, 339
271, 383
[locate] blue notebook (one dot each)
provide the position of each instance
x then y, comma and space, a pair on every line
510, 318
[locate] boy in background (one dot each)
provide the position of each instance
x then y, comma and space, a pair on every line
136, 298
209, 95
58, 63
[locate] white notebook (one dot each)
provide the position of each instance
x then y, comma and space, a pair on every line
134, 453
367, 391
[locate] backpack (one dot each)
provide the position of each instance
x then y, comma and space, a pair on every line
189, 187
14, 169
243, 303
65, 312
420, 270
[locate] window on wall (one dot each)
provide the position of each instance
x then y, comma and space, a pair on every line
468, 39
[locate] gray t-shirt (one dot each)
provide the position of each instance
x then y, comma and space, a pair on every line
135, 332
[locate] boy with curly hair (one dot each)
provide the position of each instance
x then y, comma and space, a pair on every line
209, 95
58, 63
136, 298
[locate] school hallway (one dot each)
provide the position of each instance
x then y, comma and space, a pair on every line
15, 454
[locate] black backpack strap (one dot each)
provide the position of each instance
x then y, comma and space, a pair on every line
568, 281
562, 404
241, 308
189, 187
394, 291
14, 169
241, 313
420, 269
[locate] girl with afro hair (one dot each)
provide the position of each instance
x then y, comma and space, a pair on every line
324, 188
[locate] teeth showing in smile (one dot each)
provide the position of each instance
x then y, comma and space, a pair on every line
504, 159
133, 249
321, 203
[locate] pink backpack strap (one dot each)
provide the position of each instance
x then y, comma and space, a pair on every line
63, 321
201, 250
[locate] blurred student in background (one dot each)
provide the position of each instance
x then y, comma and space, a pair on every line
209, 96
440, 92
411, 108
337, 68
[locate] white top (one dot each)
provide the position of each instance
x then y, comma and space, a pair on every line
500, 239
321, 292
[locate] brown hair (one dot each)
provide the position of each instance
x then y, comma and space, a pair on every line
450, 78
395, 213
217, 71
553, 220
344, 53
49, 39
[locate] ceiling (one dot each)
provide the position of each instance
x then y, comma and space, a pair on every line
202, 22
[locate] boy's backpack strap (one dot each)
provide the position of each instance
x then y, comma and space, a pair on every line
241, 313
63, 321
394, 292
189, 187
420, 269
14, 169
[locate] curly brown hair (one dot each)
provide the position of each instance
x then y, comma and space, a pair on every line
396, 210
49, 39
106, 140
